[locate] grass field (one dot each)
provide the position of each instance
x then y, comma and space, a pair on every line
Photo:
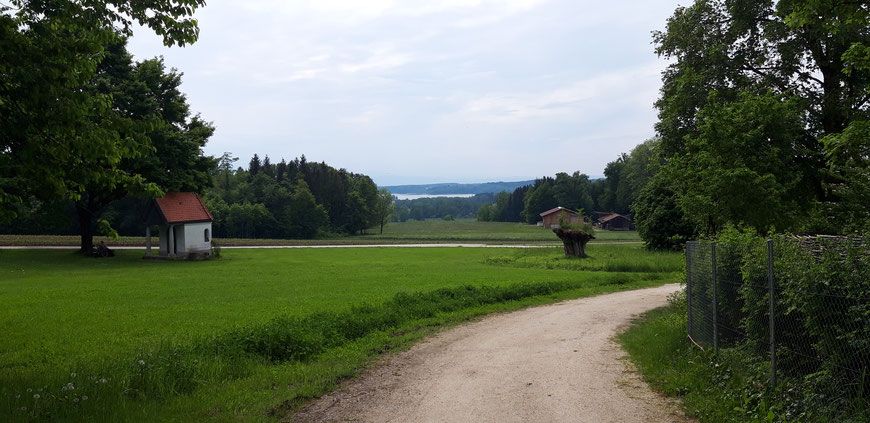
472, 230
234, 339
410, 232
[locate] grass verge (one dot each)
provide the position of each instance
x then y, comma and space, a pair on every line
729, 387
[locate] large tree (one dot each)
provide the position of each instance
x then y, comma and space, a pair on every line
57, 136
154, 112
753, 87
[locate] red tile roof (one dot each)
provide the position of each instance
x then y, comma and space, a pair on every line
183, 207
551, 211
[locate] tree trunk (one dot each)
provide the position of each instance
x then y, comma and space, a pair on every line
382, 227
574, 241
86, 228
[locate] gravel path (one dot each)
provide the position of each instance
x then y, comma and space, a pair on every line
555, 363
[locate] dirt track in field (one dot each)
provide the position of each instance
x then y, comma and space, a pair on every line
555, 363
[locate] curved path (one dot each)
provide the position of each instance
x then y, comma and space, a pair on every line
555, 363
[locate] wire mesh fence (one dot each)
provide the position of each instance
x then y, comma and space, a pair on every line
800, 304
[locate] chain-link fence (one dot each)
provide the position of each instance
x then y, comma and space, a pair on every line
800, 304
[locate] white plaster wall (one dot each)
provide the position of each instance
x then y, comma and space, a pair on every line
194, 237
179, 238
163, 233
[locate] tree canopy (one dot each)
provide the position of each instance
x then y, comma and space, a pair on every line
756, 101
58, 137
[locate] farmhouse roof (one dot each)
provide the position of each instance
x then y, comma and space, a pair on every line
551, 211
611, 217
183, 207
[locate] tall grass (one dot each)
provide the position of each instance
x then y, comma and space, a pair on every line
605, 258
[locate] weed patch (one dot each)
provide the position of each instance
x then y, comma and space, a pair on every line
602, 258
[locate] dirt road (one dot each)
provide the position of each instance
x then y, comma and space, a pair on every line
554, 363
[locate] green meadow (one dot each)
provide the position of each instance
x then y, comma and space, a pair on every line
472, 230
410, 232
255, 334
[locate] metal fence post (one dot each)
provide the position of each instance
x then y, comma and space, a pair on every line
771, 318
689, 246
715, 305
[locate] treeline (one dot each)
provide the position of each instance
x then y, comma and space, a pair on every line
295, 199
615, 192
454, 188
440, 207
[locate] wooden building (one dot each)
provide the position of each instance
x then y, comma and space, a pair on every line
615, 222
184, 224
552, 217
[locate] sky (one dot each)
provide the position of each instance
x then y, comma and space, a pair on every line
413, 92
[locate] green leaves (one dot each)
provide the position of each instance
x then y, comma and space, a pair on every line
56, 135
754, 87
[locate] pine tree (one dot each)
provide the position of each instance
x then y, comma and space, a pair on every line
254, 165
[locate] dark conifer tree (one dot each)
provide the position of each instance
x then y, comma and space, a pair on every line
281, 170
254, 166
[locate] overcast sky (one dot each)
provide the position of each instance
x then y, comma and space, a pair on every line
425, 91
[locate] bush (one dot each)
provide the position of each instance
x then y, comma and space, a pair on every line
821, 310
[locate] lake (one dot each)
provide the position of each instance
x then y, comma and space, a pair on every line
416, 196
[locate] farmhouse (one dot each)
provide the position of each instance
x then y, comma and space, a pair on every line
551, 217
184, 223
615, 222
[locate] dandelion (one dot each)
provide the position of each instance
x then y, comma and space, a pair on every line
72, 375
35, 396
75, 400
29, 389
141, 362
103, 380
17, 396
84, 397
195, 362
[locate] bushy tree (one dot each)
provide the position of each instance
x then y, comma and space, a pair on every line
155, 114
539, 199
384, 208
752, 89
305, 216
57, 138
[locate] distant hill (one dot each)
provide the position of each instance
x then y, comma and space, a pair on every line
453, 188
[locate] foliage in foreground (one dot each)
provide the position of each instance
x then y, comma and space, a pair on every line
729, 387
128, 387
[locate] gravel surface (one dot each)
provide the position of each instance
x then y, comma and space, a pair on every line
556, 363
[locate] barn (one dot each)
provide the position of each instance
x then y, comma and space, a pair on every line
616, 222
551, 217
184, 224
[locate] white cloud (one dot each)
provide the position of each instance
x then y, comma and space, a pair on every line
433, 90
576, 100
